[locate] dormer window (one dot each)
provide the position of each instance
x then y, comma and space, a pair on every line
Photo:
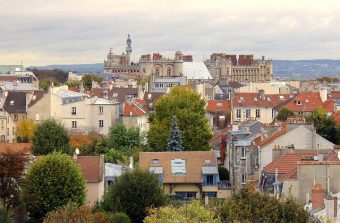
307, 101
11, 102
155, 161
219, 104
298, 103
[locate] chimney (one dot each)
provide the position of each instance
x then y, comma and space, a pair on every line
323, 95
317, 197
262, 96
131, 163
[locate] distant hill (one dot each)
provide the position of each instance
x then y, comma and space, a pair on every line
300, 69
81, 68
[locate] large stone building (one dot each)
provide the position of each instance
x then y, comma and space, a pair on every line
241, 69
120, 64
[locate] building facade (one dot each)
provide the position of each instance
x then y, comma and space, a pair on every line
241, 69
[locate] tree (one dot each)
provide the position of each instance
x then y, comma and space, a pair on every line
175, 138
12, 167
189, 109
25, 130
132, 193
124, 139
52, 181
252, 207
113, 156
194, 212
88, 78
70, 213
120, 217
324, 125
4, 215
81, 141
283, 114
49, 136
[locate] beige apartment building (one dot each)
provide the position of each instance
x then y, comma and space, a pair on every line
78, 113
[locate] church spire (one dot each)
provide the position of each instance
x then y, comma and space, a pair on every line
128, 49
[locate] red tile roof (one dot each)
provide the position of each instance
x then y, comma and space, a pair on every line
131, 109
92, 168
8, 78
140, 101
286, 164
334, 95
254, 100
17, 148
75, 89
329, 106
305, 102
218, 105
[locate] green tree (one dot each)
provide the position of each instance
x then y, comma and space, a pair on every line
113, 156
189, 109
283, 114
120, 217
71, 212
4, 215
49, 136
88, 78
194, 212
325, 125
252, 207
124, 139
175, 138
132, 193
52, 181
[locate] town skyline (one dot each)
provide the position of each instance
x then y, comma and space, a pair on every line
77, 33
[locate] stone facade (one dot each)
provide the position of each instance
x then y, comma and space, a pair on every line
120, 64
241, 69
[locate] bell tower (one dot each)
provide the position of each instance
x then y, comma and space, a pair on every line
128, 49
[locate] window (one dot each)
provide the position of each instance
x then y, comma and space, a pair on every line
13, 131
243, 153
247, 113
187, 195
74, 111
178, 167
210, 194
15, 117
2, 124
168, 71
101, 110
74, 124
101, 123
238, 113
258, 113
157, 72
298, 103
7, 131
209, 180
273, 113
244, 179
155, 161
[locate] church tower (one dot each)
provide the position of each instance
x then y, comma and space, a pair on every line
128, 50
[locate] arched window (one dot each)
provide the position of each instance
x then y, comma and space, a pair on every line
168, 71
157, 71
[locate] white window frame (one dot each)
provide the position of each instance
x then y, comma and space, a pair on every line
258, 113
101, 123
101, 110
248, 113
238, 113
74, 111
74, 124
243, 153
243, 178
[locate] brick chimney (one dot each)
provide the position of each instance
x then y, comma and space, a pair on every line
317, 197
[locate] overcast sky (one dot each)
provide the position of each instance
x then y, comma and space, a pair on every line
40, 32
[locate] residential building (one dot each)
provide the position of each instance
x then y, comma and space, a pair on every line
188, 175
305, 103
241, 155
273, 87
284, 138
134, 115
93, 169
221, 111
76, 111
335, 96
256, 106
241, 69
112, 172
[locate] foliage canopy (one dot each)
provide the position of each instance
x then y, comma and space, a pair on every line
189, 109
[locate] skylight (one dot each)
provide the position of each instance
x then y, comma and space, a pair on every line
178, 166
11, 102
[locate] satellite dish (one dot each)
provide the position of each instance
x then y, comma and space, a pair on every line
339, 155
77, 151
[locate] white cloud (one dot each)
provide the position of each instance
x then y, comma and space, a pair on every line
78, 31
